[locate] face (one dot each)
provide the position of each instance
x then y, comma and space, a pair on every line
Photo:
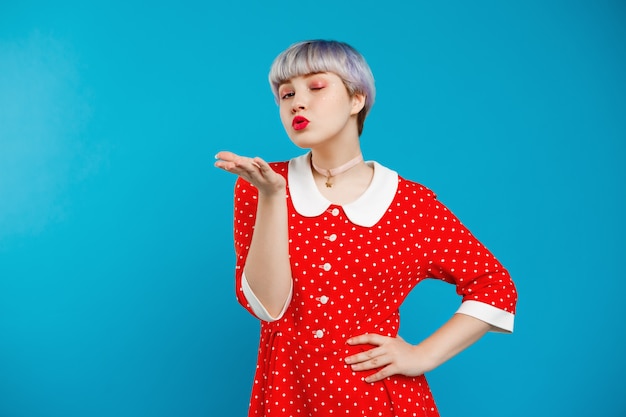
317, 108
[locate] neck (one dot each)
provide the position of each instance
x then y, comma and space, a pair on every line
329, 173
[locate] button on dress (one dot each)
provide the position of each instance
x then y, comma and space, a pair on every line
352, 267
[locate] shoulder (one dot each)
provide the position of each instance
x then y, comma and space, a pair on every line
402, 184
414, 189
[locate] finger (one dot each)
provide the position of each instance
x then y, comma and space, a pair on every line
227, 161
226, 156
230, 160
365, 356
263, 166
380, 375
240, 165
374, 363
247, 165
232, 166
368, 339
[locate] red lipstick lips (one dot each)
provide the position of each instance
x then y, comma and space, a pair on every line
299, 122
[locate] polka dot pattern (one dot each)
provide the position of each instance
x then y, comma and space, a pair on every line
349, 280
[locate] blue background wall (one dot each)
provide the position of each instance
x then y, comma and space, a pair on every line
116, 260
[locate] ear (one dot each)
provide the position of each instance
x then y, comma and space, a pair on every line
358, 102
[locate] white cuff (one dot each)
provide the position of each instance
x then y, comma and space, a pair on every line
256, 306
500, 319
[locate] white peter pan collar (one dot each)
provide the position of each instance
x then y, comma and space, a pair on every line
365, 211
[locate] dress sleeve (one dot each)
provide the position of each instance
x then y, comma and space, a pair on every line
245, 217
457, 257
245, 205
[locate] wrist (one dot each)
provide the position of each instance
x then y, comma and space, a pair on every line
277, 194
428, 359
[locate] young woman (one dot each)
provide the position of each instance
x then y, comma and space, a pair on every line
328, 246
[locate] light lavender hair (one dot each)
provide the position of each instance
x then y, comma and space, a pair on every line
313, 56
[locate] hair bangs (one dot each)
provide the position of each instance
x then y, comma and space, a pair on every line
303, 59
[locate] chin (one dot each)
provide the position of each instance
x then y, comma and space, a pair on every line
303, 140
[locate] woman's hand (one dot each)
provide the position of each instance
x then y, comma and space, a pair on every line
392, 354
254, 170
395, 356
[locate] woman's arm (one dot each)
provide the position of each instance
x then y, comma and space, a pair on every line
267, 269
395, 356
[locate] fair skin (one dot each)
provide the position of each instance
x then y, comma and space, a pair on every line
332, 136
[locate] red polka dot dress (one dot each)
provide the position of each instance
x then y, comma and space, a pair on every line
352, 267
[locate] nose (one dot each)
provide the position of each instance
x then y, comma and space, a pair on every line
298, 103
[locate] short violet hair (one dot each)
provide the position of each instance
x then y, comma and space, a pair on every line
313, 56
